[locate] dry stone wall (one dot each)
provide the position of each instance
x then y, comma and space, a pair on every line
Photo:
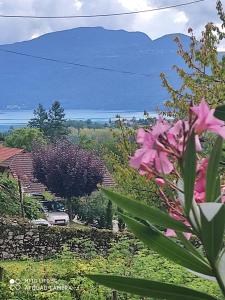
18, 239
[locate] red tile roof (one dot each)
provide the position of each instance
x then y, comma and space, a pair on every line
6, 152
21, 167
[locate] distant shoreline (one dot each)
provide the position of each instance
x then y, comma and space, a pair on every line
20, 118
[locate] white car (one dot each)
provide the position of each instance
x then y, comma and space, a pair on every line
42, 222
55, 212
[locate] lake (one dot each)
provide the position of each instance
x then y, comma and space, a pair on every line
20, 118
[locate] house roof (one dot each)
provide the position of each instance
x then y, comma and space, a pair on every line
6, 152
21, 167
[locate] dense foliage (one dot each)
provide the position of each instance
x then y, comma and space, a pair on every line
24, 138
67, 170
94, 209
10, 202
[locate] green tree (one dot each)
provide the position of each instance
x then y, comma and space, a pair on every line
205, 77
9, 197
25, 138
56, 122
40, 119
3, 136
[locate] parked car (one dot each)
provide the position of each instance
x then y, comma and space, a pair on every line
55, 212
41, 222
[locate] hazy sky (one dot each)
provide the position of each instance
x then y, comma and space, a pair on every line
155, 24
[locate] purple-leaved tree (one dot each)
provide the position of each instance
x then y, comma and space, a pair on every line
67, 170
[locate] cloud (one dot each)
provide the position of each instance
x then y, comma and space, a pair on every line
154, 24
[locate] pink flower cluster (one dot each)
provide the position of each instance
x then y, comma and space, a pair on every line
165, 143
163, 147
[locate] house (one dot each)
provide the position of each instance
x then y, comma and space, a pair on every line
19, 164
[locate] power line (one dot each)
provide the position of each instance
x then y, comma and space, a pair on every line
102, 15
76, 64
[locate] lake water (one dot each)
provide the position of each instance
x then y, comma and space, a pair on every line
17, 119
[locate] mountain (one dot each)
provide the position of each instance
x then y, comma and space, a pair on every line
26, 81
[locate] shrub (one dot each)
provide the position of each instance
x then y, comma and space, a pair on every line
94, 209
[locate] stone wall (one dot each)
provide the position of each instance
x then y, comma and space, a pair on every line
19, 239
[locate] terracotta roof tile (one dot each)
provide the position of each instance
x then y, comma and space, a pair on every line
21, 167
6, 152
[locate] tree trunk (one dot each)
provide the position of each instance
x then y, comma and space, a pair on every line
69, 207
109, 215
114, 295
1, 274
21, 198
121, 223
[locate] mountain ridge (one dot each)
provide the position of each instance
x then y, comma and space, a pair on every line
27, 81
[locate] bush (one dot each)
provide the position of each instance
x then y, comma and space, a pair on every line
32, 208
25, 138
94, 209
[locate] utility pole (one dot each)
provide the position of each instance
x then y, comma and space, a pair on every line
21, 197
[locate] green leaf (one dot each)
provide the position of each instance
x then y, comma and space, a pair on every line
189, 246
144, 212
189, 172
218, 190
220, 112
220, 266
212, 171
155, 240
213, 226
194, 216
149, 288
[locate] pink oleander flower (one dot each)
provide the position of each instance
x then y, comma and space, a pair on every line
176, 134
200, 182
160, 127
171, 233
176, 213
223, 194
177, 137
152, 155
151, 159
206, 120
160, 145
160, 181
162, 163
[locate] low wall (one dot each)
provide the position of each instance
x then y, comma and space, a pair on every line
19, 239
